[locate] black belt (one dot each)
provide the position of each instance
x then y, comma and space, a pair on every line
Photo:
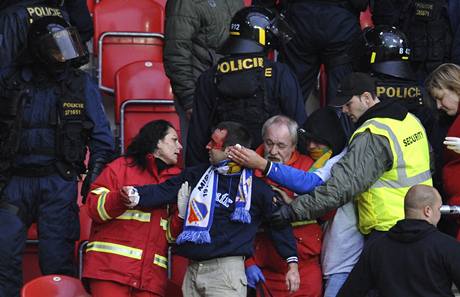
34, 171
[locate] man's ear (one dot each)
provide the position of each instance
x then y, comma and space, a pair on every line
428, 211
368, 97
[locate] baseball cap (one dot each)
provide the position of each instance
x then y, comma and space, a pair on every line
353, 84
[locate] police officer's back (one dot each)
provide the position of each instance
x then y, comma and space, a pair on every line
50, 113
245, 86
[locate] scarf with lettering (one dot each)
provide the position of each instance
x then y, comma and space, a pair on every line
200, 209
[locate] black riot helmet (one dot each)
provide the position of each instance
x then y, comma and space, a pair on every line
383, 49
55, 44
255, 30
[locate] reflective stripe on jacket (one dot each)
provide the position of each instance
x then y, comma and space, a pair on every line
382, 205
127, 246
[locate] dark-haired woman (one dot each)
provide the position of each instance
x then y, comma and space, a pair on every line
127, 251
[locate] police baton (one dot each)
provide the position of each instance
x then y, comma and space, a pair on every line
450, 209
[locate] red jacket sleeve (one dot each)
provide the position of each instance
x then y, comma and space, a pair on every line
104, 200
175, 225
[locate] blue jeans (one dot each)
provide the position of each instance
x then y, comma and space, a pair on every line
334, 283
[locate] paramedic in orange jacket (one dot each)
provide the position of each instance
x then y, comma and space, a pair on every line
127, 251
279, 135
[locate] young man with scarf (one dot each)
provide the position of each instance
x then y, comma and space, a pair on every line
225, 209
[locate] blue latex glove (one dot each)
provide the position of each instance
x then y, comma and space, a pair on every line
254, 275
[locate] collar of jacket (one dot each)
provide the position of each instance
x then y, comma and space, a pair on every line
156, 166
410, 230
384, 109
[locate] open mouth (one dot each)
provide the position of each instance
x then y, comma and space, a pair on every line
273, 159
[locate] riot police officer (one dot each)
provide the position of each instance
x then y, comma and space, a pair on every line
245, 86
384, 52
51, 112
16, 17
431, 28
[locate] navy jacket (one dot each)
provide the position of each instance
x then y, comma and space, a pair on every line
228, 238
282, 88
40, 110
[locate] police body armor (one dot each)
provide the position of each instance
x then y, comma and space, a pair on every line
429, 32
410, 95
68, 119
242, 98
11, 100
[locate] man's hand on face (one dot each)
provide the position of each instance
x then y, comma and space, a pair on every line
246, 157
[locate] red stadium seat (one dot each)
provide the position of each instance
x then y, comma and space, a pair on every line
127, 16
143, 93
117, 49
90, 4
30, 266
161, 2
141, 80
54, 286
365, 18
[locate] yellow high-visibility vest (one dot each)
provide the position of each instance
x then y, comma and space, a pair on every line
382, 205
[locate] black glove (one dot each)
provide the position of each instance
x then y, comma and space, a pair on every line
282, 217
91, 176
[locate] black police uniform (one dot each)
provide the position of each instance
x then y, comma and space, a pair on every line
50, 113
429, 26
410, 95
228, 92
325, 30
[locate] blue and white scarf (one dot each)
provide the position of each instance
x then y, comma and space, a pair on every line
200, 209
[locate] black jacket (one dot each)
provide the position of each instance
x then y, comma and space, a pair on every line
412, 259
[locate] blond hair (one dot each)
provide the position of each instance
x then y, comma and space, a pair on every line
445, 76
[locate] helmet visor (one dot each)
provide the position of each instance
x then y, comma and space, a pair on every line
61, 46
281, 29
